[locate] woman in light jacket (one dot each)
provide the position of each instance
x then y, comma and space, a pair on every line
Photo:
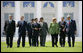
54, 31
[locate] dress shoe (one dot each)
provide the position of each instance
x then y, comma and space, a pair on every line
10, 47
72, 46
56, 45
18, 46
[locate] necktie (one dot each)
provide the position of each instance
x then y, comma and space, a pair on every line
10, 21
22, 23
36, 24
31, 25
69, 22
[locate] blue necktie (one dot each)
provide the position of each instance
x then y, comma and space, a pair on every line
21, 23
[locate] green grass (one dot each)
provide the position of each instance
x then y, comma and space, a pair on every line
48, 48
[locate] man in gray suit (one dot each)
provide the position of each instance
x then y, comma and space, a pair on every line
43, 32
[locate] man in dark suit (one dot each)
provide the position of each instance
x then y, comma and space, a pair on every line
71, 31
9, 30
22, 31
36, 28
43, 31
30, 32
62, 25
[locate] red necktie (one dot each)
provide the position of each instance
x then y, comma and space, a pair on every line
69, 22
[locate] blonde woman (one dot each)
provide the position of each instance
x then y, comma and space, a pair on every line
54, 31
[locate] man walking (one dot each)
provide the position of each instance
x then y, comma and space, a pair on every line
30, 32
9, 30
71, 30
62, 25
22, 31
36, 28
43, 31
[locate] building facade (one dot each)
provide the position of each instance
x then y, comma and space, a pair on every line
46, 9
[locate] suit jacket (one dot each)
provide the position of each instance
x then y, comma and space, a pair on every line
44, 29
9, 28
22, 27
29, 28
62, 26
54, 28
72, 27
36, 25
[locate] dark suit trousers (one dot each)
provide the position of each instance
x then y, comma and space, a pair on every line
35, 38
69, 39
9, 40
30, 39
42, 40
19, 39
62, 38
54, 39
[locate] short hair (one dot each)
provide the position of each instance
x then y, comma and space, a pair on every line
32, 19
35, 18
41, 18
53, 18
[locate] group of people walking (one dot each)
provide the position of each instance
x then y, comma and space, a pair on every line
34, 29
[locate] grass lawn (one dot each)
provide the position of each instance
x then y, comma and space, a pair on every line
48, 48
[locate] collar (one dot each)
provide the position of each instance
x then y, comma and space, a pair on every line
10, 20
70, 20
22, 20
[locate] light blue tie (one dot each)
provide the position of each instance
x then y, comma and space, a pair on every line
10, 21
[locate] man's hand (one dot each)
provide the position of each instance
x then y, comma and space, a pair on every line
62, 25
36, 28
63, 30
66, 30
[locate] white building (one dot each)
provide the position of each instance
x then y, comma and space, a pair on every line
46, 9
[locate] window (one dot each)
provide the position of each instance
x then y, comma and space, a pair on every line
6, 15
66, 14
48, 17
28, 16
